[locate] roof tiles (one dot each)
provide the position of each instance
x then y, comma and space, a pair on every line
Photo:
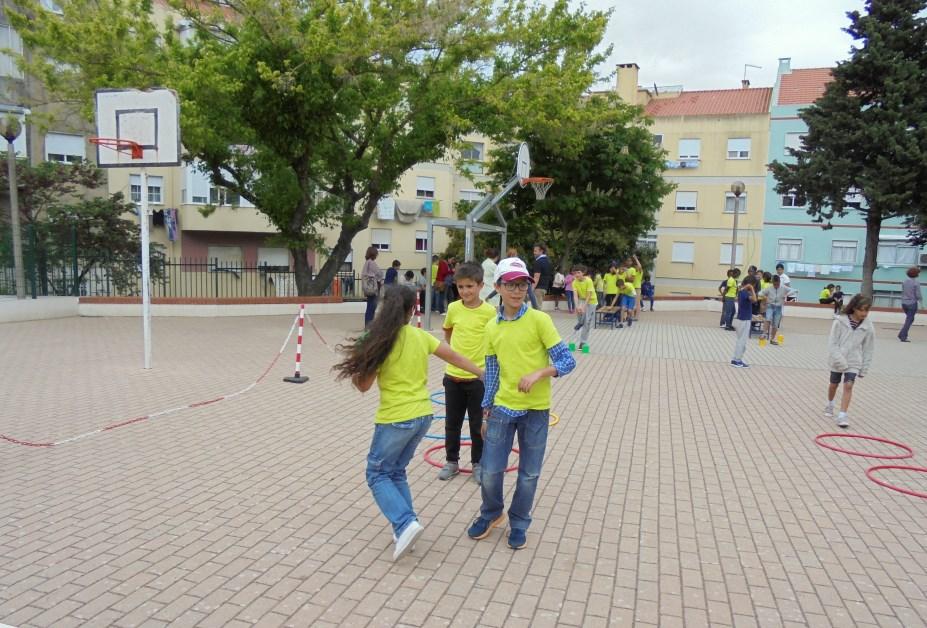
717, 102
803, 87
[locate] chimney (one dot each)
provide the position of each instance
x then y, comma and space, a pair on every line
745, 83
785, 65
626, 82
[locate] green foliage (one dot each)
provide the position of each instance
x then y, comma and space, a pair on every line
608, 184
313, 111
869, 130
46, 184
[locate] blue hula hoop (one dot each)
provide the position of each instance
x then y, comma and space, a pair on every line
441, 417
437, 401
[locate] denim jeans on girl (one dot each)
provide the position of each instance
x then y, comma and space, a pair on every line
391, 449
532, 442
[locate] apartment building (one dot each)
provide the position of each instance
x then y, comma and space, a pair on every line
713, 138
812, 256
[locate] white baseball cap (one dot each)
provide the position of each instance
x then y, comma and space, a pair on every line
511, 269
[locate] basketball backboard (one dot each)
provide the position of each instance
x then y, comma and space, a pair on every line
523, 163
150, 118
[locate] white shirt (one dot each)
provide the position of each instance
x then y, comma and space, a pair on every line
489, 273
784, 279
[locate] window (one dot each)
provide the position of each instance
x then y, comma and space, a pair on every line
896, 253
225, 254
197, 185
658, 140
853, 199
738, 148
474, 196
793, 199
730, 200
421, 241
380, 239
10, 39
273, 257
473, 153
843, 251
686, 201
684, 252
154, 188
222, 196
726, 254
66, 149
788, 250
690, 148
424, 187
648, 241
793, 141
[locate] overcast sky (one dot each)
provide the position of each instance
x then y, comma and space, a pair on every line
704, 44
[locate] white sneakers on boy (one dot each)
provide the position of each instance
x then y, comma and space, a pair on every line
829, 410
843, 420
449, 470
407, 539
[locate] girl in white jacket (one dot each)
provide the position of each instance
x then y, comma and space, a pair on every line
852, 340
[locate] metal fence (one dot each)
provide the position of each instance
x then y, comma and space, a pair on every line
186, 278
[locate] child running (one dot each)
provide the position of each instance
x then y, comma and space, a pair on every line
586, 302
464, 329
395, 355
523, 351
851, 343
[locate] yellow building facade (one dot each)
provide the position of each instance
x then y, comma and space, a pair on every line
712, 138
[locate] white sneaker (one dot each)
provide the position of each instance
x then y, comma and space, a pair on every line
829, 410
407, 539
843, 420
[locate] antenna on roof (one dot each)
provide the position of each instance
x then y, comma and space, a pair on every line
745, 82
656, 90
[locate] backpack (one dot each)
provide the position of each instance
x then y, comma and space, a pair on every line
370, 286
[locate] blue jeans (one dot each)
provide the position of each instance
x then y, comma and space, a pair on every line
910, 309
727, 312
532, 442
371, 310
391, 449
571, 303
437, 301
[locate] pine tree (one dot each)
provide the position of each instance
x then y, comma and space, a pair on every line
868, 133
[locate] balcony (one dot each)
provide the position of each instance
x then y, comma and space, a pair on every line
224, 218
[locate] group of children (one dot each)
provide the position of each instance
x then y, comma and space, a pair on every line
850, 344
500, 365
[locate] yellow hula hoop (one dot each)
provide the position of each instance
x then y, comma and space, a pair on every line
554, 419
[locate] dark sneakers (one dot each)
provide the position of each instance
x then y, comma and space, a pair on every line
518, 539
482, 527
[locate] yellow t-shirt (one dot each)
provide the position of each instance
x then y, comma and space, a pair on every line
434, 273
403, 377
584, 290
731, 288
825, 294
469, 337
628, 290
611, 283
634, 277
521, 348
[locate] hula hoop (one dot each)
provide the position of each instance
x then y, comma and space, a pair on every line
435, 463
910, 451
441, 417
554, 419
906, 491
436, 394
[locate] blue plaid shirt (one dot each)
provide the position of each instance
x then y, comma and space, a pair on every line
560, 357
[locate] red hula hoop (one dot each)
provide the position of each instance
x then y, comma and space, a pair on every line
435, 463
906, 491
862, 454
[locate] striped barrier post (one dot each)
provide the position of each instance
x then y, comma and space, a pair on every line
418, 309
297, 378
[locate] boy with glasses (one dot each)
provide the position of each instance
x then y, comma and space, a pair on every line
523, 351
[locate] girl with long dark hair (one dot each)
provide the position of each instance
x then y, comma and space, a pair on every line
394, 354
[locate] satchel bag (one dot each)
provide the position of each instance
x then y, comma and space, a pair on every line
370, 286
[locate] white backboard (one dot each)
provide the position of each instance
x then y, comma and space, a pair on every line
523, 163
149, 117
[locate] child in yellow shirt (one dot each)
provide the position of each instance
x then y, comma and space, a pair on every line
586, 302
394, 354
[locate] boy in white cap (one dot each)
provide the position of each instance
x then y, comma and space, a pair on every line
523, 351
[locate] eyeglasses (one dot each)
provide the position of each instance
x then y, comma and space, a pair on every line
515, 287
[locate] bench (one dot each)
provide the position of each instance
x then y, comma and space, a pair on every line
607, 316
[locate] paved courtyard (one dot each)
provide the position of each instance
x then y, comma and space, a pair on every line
677, 491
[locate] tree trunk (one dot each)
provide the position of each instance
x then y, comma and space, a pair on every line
302, 270
873, 227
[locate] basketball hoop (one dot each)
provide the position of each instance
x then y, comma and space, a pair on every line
122, 146
540, 185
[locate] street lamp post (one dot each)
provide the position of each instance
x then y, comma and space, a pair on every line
737, 189
10, 128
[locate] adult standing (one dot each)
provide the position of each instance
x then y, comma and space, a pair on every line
489, 271
911, 298
543, 273
440, 270
372, 281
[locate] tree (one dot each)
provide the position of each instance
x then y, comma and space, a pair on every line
608, 183
313, 111
868, 134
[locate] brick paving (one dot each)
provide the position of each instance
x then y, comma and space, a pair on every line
677, 491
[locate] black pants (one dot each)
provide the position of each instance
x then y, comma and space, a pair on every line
463, 398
